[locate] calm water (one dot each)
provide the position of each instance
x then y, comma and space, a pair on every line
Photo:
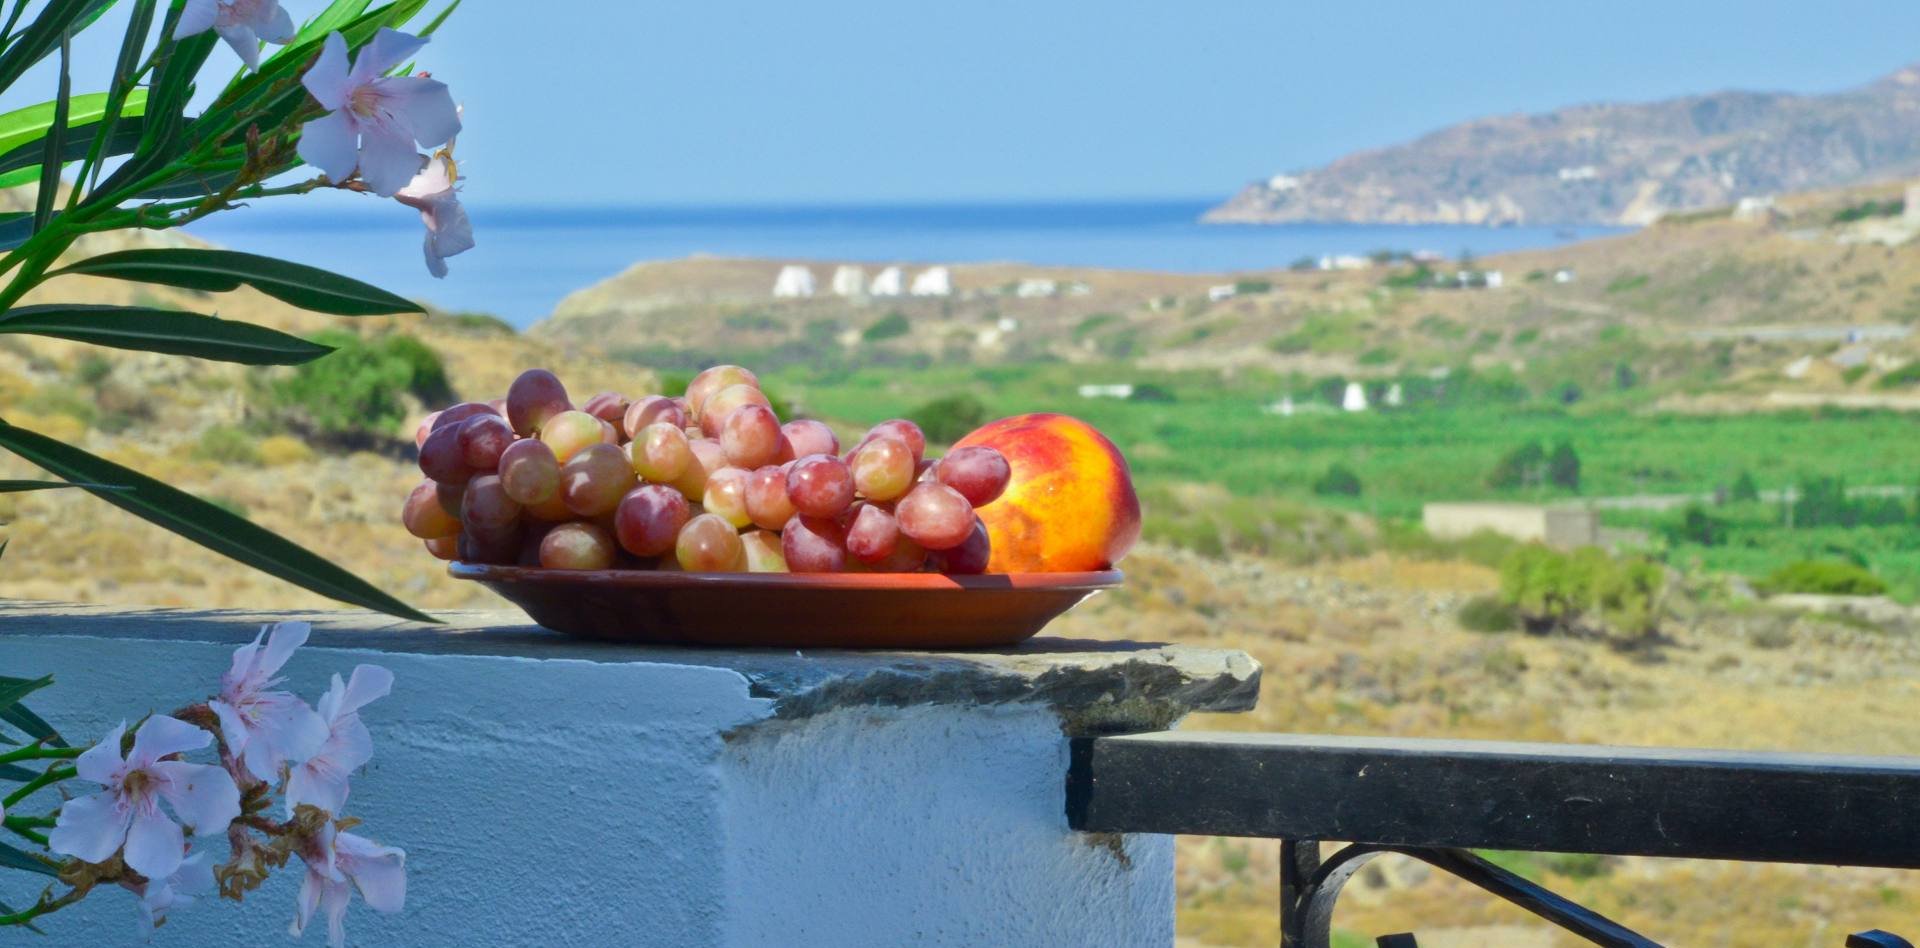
528, 258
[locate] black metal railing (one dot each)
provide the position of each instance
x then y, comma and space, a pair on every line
1436, 800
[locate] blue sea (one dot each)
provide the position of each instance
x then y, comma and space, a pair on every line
528, 258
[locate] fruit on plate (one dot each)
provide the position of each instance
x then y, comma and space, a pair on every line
1069, 504
710, 481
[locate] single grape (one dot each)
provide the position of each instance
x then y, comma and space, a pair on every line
460, 413
593, 482
882, 468
873, 534
979, 473
907, 557
534, 397
814, 545
806, 436
767, 502
579, 544
708, 544
445, 548
716, 410
935, 516
441, 457
449, 496
486, 544
820, 485
483, 438
904, 430
713, 380
610, 407
570, 432
424, 428
726, 495
751, 437
660, 453
610, 433
652, 409
765, 553
707, 457
970, 557
423, 516
486, 503
649, 519
530, 471
552, 510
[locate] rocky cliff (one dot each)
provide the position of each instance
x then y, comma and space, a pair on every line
1609, 163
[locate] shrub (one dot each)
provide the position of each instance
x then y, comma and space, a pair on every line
281, 450
1524, 466
951, 418
361, 387
1744, 489
1339, 481
1488, 614
1149, 392
227, 445
1901, 377
891, 326
1698, 527
1823, 577
1563, 467
1556, 591
1246, 287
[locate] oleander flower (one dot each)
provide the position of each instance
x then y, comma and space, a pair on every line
434, 193
376, 118
127, 813
266, 729
158, 899
321, 780
337, 864
242, 23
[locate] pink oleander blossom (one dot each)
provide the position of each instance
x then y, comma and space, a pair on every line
321, 781
337, 864
242, 23
127, 813
266, 729
434, 193
376, 118
159, 899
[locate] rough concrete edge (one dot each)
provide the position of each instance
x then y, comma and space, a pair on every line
1123, 697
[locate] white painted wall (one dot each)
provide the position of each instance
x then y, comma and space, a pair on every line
599, 801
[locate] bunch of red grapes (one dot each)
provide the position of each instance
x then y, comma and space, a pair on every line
710, 481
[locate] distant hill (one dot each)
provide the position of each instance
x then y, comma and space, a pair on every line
1609, 163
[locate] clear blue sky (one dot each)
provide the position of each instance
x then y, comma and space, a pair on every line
596, 101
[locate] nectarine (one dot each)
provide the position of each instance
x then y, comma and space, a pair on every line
1070, 506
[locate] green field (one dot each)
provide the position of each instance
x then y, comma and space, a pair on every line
1215, 431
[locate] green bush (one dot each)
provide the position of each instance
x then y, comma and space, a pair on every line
1823, 577
1246, 287
1556, 591
1901, 377
1744, 489
1524, 466
949, 419
361, 387
1698, 527
1563, 467
1488, 614
891, 326
1339, 481
226, 445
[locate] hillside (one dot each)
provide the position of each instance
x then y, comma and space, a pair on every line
1609, 163
1713, 309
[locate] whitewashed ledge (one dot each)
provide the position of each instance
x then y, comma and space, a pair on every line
557, 792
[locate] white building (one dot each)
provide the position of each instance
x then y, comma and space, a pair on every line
794, 281
1495, 279
1394, 397
849, 281
933, 281
1563, 276
1035, 288
1106, 391
888, 282
1008, 324
1355, 398
1224, 291
1345, 261
1754, 208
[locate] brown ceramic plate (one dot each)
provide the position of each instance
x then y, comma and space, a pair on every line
791, 610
